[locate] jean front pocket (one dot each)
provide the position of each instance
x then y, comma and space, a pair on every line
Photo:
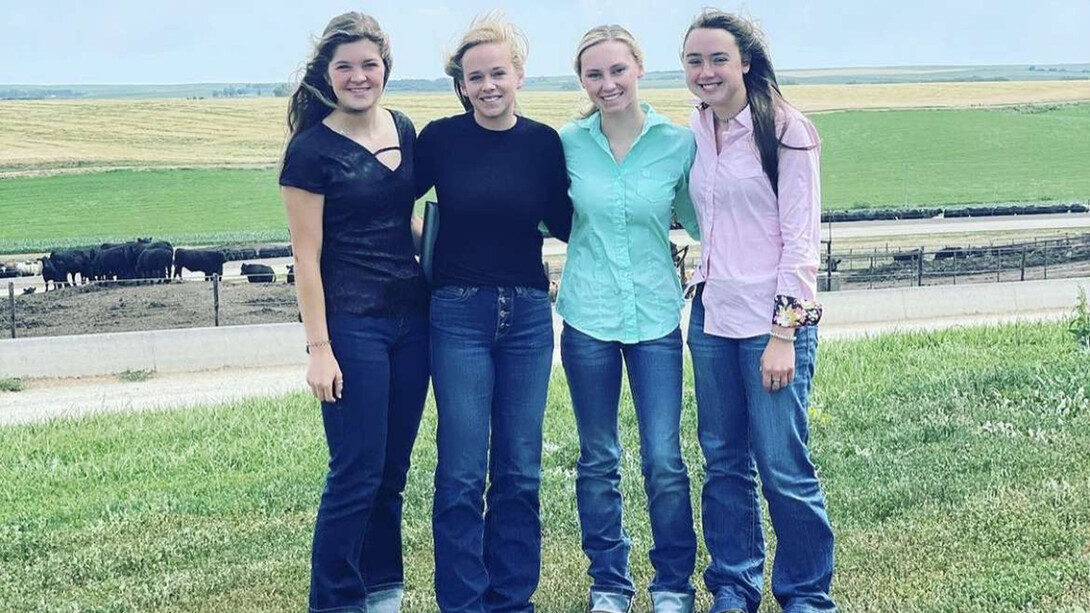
532, 294
453, 293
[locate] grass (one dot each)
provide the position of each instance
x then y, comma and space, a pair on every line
11, 385
136, 376
870, 159
953, 463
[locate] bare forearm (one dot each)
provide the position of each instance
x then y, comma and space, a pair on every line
310, 293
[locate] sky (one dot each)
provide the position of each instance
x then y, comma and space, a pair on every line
190, 41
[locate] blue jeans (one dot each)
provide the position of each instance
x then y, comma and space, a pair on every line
593, 368
356, 560
491, 351
744, 431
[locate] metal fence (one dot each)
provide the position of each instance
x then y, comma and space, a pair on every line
117, 306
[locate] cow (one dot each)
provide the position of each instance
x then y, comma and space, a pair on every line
206, 261
114, 263
291, 274
69, 262
154, 263
259, 273
51, 274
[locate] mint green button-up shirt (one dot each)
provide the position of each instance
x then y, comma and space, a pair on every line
619, 281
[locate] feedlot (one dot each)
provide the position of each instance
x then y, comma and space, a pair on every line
99, 308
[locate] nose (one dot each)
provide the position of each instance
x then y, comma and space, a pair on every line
705, 69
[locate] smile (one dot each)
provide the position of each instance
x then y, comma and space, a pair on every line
611, 97
490, 98
707, 86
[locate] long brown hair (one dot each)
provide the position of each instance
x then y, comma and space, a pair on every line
762, 91
314, 99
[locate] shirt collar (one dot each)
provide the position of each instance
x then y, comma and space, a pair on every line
652, 118
744, 118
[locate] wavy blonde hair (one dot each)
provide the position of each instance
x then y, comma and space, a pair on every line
596, 36
491, 27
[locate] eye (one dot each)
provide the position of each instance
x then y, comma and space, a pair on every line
694, 61
720, 60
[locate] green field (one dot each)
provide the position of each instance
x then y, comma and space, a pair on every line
870, 159
954, 464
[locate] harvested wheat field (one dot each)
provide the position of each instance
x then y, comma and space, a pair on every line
46, 135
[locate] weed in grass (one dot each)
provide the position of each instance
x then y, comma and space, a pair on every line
1079, 324
135, 376
11, 385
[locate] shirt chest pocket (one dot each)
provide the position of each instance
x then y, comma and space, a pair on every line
656, 186
745, 164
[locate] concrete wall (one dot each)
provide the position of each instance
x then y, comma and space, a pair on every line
282, 344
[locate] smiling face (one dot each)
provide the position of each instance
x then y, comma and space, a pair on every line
610, 73
490, 83
356, 74
714, 69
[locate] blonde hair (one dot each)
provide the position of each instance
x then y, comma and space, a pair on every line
596, 36
492, 27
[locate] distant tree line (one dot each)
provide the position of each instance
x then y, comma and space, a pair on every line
38, 94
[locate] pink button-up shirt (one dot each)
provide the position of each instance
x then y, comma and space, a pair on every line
754, 246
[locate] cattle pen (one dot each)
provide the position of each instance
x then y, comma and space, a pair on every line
151, 304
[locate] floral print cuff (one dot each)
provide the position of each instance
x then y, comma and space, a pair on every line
795, 313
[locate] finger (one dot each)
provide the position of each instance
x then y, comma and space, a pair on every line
766, 380
338, 385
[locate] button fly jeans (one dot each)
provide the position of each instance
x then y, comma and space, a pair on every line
356, 562
744, 431
593, 368
491, 357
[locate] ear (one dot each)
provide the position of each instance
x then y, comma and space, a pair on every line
521, 77
745, 68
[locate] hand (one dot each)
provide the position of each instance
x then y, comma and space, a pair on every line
777, 364
324, 375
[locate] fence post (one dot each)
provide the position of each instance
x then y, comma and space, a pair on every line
1023, 263
1046, 261
956, 251
828, 272
919, 268
216, 299
11, 304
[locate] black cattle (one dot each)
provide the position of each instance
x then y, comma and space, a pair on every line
947, 252
51, 274
258, 273
906, 257
291, 274
208, 262
114, 263
69, 262
154, 263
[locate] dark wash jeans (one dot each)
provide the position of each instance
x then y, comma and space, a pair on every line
593, 368
491, 352
744, 431
356, 561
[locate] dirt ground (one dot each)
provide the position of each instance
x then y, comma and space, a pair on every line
93, 309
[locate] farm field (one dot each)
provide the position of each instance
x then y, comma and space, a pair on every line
870, 159
948, 460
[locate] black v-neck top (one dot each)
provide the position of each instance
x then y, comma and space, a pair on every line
368, 260
494, 188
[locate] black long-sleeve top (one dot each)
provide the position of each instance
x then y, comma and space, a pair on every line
494, 189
